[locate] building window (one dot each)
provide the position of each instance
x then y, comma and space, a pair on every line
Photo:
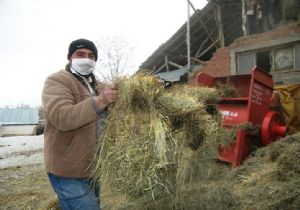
284, 59
245, 62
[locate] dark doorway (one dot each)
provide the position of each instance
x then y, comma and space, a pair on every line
263, 60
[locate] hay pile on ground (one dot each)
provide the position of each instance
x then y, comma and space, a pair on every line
155, 137
271, 178
268, 180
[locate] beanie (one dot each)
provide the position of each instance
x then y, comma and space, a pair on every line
82, 44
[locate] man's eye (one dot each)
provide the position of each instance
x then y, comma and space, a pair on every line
93, 57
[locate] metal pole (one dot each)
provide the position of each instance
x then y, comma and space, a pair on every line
188, 40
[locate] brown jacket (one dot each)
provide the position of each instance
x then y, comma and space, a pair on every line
70, 135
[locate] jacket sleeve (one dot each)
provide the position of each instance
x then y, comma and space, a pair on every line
61, 108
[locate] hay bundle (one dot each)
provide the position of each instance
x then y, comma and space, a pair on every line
147, 132
227, 90
208, 96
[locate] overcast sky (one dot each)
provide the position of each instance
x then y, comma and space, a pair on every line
35, 35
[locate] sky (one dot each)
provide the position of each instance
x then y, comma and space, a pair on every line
35, 36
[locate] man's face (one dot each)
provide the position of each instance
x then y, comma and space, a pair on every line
83, 53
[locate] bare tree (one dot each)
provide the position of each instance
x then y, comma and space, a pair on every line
114, 58
23, 106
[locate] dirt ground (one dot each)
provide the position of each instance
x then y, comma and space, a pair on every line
25, 187
268, 179
28, 188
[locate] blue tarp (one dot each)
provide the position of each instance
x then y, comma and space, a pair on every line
172, 76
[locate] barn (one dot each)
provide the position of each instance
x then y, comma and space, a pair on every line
221, 44
18, 121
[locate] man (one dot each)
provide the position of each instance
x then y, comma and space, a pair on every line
74, 108
268, 8
251, 13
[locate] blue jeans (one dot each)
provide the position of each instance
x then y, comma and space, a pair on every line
79, 194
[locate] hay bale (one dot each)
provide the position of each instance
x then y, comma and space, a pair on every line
146, 133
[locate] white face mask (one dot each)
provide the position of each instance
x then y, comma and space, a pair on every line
83, 66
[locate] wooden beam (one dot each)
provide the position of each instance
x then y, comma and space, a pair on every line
175, 64
197, 60
166, 62
220, 27
200, 48
158, 70
203, 25
207, 49
154, 68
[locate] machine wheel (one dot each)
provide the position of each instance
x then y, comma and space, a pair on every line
272, 128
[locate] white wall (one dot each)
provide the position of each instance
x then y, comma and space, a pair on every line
16, 130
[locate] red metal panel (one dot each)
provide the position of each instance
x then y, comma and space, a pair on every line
233, 114
255, 92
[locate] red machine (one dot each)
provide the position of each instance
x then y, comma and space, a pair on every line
252, 106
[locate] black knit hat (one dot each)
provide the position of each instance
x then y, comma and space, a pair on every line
82, 44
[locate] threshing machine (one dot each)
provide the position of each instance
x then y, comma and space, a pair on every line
252, 106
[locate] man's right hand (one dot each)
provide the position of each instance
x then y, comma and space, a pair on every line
108, 95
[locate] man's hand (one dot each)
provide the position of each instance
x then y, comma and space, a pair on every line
108, 95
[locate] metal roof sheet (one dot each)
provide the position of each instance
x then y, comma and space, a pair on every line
19, 116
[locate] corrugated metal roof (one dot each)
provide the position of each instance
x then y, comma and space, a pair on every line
19, 116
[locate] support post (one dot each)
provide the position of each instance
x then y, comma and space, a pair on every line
220, 27
188, 38
166, 63
244, 18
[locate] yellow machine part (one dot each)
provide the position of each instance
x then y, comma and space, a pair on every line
290, 105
